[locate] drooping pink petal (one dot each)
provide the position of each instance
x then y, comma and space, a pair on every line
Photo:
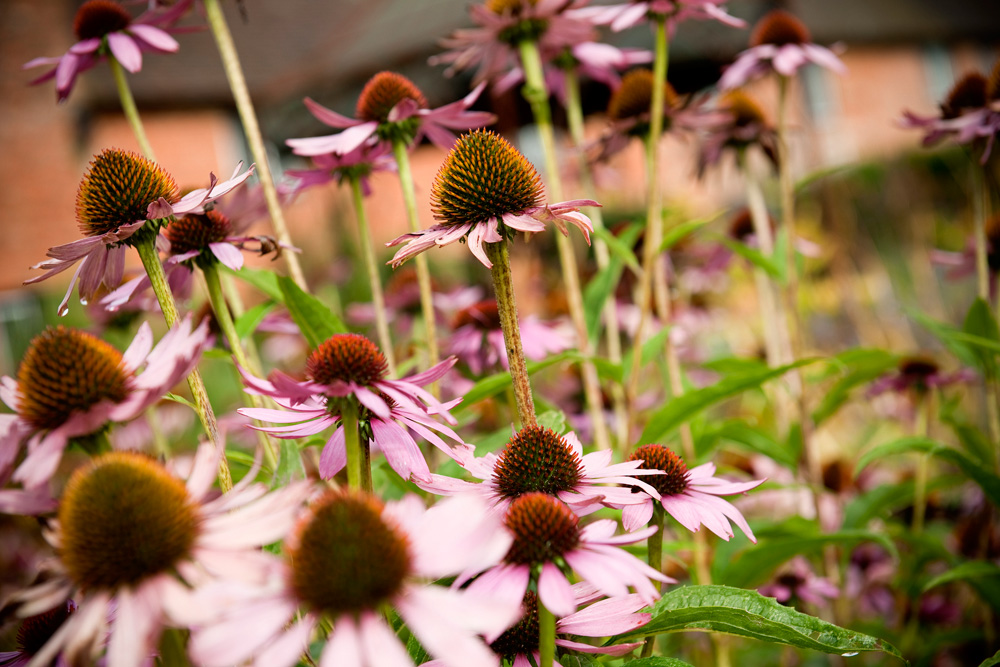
334, 456
159, 39
555, 591
228, 254
125, 51
400, 450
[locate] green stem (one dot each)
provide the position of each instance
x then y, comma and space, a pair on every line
244, 106
406, 182
371, 264
503, 285
359, 473
612, 328
128, 107
160, 444
151, 262
546, 636
979, 200
225, 320
536, 94
654, 555
925, 409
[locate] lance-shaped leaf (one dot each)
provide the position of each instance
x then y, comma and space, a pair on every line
314, 319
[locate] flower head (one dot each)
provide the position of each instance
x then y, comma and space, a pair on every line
72, 385
917, 375
34, 633
548, 539
486, 192
798, 582
393, 548
743, 124
627, 15
134, 538
690, 496
358, 163
104, 27
349, 367
391, 108
123, 200
780, 43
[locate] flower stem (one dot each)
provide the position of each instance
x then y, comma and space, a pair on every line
546, 636
612, 328
244, 106
371, 264
503, 285
537, 96
129, 109
923, 427
979, 201
406, 182
151, 262
359, 472
225, 320
654, 555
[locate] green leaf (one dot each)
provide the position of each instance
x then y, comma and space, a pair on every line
265, 281
650, 349
494, 384
621, 247
861, 366
314, 319
684, 407
883, 500
289, 464
988, 482
596, 295
677, 232
990, 662
979, 322
752, 255
743, 613
740, 432
251, 319
975, 569
555, 420
754, 565
656, 662
965, 346
578, 660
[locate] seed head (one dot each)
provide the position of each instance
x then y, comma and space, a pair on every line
968, 93
658, 457
483, 315
383, 92
36, 631
544, 529
483, 177
124, 519
66, 371
634, 96
347, 358
97, 18
195, 232
741, 226
537, 459
743, 108
347, 558
993, 86
779, 28
117, 189
522, 638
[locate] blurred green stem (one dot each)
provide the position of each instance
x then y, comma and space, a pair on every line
925, 407
359, 472
546, 636
537, 95
980, 196
654, 556
371, 264
129, 109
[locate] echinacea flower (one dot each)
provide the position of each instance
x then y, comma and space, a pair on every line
796, 581
518, 646
134, 539
917, 375
492, 46
970, 113
549, 542
394, 549
779, 43
34, 633
690, 496
743, 125
349, 367
486, 192
123, 199
391, 107
963, 264
477, 338
621, 17
537, 459
359, 163
71, 385
104, 28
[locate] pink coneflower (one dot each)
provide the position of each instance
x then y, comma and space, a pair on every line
104, 27
690, 496
518, 646
916, 376
393, 550
537, 459
779, 43
72, 385
133, 538
349, 367
485, 192
798, 582
492, 47
34, 633
359, 163
621, 17
123, 200
743, 125
391, 107
547, 538
478, 339
963, 264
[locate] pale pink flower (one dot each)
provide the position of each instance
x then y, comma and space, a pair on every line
491, 204
962, 264
586, 482
72, 385
797, 582
391, 106
916, 375
690, 496
780, 43
396, 549
623, 16
104, 27
359, 163
547, 532
351, 367
132, 558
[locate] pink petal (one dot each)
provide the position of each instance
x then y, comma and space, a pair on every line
380, 646
228, 254
400, 449
125, 51
344, 645
555, 592
442, 639
334, 456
